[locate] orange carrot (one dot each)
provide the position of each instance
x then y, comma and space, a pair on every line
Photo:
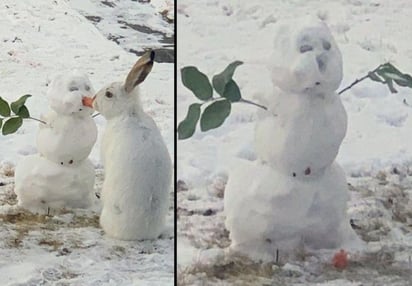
88, 101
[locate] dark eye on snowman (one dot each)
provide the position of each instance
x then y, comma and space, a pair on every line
87, 88
108, 94
305, 48
73, 88
326, 45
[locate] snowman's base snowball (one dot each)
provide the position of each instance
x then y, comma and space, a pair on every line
267, 210
42, 184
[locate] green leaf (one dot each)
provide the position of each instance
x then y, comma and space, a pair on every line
187, 127
386, 74
23, 112
388, 71
221, 80
1, 122
4, 108
374, 77
215, 114
197, 82
232, 91
19, 103
12, 125
389, 82
405, 81
390, 75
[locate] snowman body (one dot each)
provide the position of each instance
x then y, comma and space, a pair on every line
297, 193
61, 176
70, 132
42, 184
307, 142
66, 139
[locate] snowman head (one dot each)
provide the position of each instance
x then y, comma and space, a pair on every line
66, 92
306, 59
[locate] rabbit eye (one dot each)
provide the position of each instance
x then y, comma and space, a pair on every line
109, 94
73, 88
87, 88
305, 48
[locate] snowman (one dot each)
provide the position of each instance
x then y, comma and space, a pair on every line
298, 193
60, 175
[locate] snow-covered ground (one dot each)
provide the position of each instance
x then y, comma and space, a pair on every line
133, 25
40, 39
375, 153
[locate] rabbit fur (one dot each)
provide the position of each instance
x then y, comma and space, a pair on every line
137, 164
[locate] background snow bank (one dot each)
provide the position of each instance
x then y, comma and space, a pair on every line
368, 33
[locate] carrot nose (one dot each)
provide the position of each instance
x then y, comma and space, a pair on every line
88, 101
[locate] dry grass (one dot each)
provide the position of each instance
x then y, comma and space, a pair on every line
237, 271
53, 244
22, 223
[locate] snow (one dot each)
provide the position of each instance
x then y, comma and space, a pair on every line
70, 132
278, 211
39, 40
377, 142
66, 92
41, 184
142, 26
298, 193
305, 57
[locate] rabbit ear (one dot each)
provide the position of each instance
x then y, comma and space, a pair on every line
139, 71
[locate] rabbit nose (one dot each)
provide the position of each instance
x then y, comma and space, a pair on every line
321, 60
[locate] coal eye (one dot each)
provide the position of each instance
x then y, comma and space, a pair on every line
326, 45
305, 48
109, 94
87, 88
73, 88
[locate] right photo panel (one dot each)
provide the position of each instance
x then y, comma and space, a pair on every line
294, 150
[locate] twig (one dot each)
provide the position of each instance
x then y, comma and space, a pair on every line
353, 83
252, 103
277, 256
41, 121
359, 80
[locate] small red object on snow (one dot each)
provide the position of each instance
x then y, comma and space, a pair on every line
340, 259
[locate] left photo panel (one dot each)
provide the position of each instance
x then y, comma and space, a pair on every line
87, 142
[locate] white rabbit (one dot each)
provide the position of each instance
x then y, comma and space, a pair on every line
137, 163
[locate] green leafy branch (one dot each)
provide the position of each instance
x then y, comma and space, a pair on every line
385, 74
10, 123
219, 108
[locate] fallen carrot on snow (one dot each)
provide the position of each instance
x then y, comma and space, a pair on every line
340, 259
